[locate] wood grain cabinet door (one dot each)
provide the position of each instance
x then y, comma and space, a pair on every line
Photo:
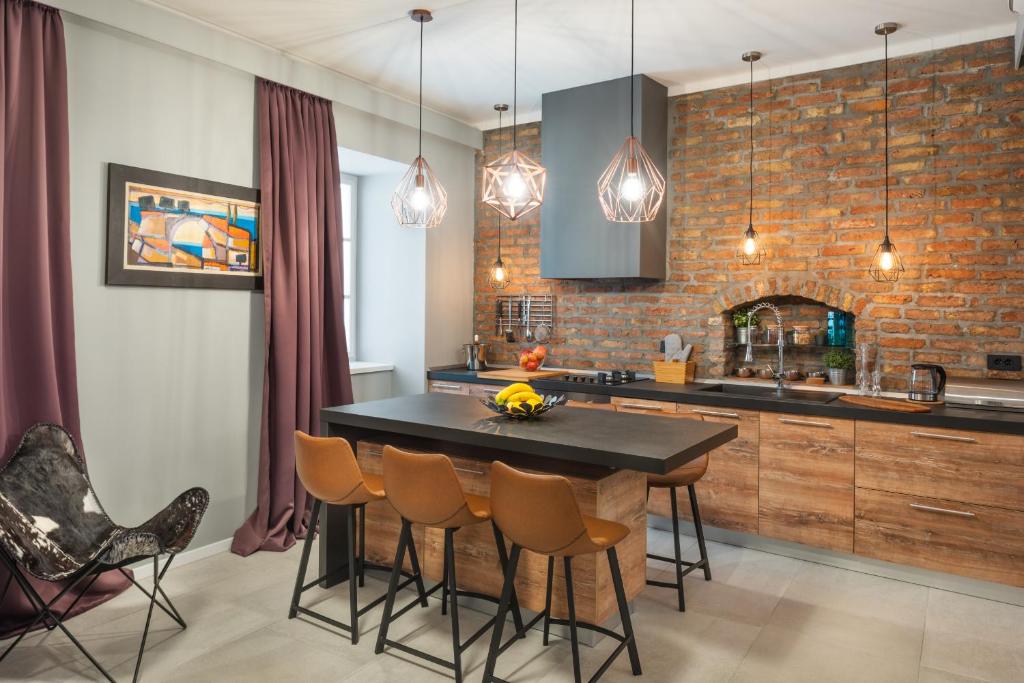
485, 390
806, 480
444, 387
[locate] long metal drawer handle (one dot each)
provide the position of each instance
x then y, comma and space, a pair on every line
639, 406
467, 471
805, 423
714, 413
446, 386
944, 511
944, 437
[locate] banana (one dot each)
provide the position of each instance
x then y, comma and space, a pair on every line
524, 396
508, 391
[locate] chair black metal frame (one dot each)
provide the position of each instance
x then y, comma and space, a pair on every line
357, 567
626, 640
450, 593
678, 562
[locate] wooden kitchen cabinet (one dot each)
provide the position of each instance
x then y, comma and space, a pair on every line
445, 387
642, 405
806, 491
485, 390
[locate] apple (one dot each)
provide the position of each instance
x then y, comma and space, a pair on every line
523, 360
532, 365
540, 352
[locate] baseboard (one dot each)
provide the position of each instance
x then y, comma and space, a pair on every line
195, 554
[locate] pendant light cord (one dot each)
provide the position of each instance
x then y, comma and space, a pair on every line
751, 161
886, 137
421, 90
632, 51
499, 156
515, 74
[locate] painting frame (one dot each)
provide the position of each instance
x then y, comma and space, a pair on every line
119, 272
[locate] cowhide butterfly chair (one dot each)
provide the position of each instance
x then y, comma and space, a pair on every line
53, 528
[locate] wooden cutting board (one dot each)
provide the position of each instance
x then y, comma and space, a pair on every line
518, 375
886, 404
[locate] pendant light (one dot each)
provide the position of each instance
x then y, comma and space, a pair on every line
632, 188
419, 200
887, 265
751, 250
498, 277
513, 184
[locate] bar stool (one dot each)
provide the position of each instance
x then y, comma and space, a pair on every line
540, 513
424, 489
686, 475
328, 469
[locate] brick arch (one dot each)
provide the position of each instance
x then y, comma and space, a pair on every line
835, 297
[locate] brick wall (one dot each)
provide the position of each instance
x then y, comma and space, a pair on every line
956, 215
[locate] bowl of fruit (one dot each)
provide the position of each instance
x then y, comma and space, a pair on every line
520, 402
532, 358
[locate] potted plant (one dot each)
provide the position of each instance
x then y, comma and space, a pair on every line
839, 363
741, 320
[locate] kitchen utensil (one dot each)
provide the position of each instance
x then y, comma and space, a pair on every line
885, 404
510, 336
816, 374
744, 372
766, 373
526, 322
673, 344
476, 356
542, 333
792, 375
926, 382
525, 411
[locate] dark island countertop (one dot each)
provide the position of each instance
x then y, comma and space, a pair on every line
991, 421
645, 443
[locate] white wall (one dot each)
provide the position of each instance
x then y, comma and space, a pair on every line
170, 380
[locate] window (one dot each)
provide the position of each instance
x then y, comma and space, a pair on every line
349, 191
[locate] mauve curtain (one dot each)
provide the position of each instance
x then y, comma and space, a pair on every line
306, 358
37, 333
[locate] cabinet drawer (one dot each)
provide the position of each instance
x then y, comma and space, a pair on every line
971, 467
642, 405
806, 480
485, 390
970, 540
445, 387
727, 494
590, 404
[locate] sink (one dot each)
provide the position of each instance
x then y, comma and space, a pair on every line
772, 393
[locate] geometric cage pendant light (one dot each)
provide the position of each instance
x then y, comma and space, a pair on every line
631, 188
751, 249
513, 184
499, 277
887, 264
419, 200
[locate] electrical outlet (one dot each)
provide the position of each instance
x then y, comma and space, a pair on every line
1009, 362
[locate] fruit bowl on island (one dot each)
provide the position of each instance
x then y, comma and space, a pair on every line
520, 402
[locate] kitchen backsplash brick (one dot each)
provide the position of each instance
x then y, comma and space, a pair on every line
956, 215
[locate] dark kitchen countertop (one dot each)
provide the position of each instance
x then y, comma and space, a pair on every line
645, 443
941, 416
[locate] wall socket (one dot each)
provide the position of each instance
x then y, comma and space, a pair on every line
1008, 362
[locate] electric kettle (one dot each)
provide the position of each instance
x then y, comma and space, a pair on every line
926, 382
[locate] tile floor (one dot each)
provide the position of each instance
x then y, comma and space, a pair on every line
763, 618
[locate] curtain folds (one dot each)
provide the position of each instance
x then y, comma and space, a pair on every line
306, 364
37, 335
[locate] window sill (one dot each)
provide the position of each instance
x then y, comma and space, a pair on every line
359, 367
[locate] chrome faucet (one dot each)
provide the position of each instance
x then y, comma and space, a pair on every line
749, 358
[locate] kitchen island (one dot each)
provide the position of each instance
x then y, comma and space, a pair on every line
604, 456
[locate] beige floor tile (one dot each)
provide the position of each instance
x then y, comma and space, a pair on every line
929, 675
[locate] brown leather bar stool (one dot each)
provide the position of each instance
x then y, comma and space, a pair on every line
424, 489
540, 513
686, 475
328, 469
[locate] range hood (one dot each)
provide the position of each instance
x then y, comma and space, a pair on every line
581, 129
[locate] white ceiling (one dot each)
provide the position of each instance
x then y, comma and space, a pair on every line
686, 44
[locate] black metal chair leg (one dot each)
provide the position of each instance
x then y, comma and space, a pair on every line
547, 598
503, 607
414, 562
627, 622
444, 578
573, 634
353, 574
700, 532
453, 594
307, 546
362, 545
396, 573
679, 552
517, 615
158, 575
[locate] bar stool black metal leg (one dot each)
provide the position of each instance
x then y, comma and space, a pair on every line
547, 598
396, 572
700, 533
517, 615
453, 594
679, 552
503, 607
353, 574
444, 577
627, 622
307, 546
414, 562
362, 545
573, 635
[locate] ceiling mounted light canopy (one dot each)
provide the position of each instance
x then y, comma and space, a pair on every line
887, 265
751, 249
513, 184
420, 200
498, 277
631, 188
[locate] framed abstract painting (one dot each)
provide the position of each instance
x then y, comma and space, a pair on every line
166, 230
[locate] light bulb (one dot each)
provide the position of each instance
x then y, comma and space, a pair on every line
499, 274
632, 188
514, 186
419, 199
885, 261
749, 246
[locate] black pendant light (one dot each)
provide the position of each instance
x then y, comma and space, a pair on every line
498, 277
751, 249
887, 265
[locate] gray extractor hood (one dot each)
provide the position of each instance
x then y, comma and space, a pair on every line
581, 129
